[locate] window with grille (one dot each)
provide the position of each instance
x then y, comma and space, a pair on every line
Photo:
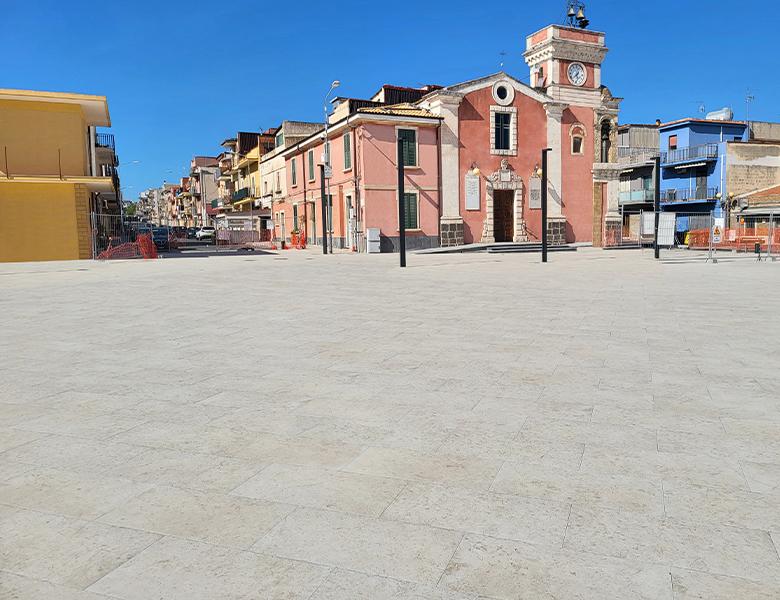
502, 130
411, 210
347, 152
408, 138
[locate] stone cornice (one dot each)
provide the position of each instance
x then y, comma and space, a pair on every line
565, 50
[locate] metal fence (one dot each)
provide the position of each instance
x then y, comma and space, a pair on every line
704, 235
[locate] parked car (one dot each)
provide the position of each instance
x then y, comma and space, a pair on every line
161, 236
206, 233
191, 231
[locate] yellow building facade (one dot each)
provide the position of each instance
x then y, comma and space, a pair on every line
48, 174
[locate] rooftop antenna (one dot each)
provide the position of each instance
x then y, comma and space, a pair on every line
575, 15
503, 55
749, 98
702, 107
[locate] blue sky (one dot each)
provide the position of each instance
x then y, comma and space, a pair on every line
182, 76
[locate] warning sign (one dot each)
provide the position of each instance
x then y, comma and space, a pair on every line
717, 234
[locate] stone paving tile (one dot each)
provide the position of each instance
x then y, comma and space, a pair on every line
752, 510
618, 437
515, 571
201, 439
64, 551
10, 469
410, 552
176, 569
722, 446
12, 438
164, 410
213, 518
342, 584
15, 587
296, 450
68, 493
408, 464
77, 425
632, 494
703, 470
695, 585
203, 472
316, 487
60, 452
531, 520
762, 477
710, 547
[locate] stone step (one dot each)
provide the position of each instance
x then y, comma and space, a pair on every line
532, 247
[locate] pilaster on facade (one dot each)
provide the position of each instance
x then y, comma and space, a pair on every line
446, 105
554, 158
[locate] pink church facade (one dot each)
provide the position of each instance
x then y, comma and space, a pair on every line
472, 173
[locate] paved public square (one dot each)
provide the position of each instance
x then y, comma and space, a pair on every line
294, 426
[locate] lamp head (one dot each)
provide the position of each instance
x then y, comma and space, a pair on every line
335, 84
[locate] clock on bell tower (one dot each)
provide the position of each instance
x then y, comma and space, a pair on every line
565, 60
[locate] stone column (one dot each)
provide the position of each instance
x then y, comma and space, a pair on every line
446, 105
488, 231
608, 173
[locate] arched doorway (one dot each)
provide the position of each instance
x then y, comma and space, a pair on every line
504, 220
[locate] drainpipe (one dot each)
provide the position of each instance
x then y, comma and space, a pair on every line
438, 192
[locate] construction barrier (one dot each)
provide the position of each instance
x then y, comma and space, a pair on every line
143, 247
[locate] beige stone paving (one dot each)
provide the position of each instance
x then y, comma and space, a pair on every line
476, 427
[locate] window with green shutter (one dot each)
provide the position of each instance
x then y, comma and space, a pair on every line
347, 152
311, 165
411, 220
294, 171
408, 138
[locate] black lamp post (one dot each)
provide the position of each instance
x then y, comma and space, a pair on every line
401, 207
657, 205
544, 203
324, 210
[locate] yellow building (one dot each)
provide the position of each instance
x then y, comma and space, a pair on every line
49, 175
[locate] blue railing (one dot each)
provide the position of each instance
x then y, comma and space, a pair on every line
687, 195
690, 154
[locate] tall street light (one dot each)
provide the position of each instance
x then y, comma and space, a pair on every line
327, 170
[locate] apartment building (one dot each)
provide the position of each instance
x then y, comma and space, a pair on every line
56, 169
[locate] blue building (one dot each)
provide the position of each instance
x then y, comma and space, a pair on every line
693, 163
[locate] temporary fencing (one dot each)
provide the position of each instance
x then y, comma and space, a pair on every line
143, 247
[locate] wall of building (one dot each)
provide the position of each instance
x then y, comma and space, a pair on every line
752, 167
765, 131
44, 221
475, 135
577, 174
33, 132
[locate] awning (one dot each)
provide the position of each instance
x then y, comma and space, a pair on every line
691, 166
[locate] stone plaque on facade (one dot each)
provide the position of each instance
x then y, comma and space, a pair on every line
535, 193
472, 191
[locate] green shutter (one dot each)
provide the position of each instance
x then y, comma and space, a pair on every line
293, 172
410, 211
347, 152
311, 165
408, 138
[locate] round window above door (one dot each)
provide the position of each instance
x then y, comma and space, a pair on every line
503, 92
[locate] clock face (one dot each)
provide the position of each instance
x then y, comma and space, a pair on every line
577, 74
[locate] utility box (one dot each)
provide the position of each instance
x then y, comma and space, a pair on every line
373, 240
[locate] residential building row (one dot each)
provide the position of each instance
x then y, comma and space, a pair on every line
471, 154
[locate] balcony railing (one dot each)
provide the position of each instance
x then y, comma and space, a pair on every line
105, 140
636, 196
704, 152
687, 195
630, 154
240, 194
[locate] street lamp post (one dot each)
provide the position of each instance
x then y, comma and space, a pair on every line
324, 204
327, 166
